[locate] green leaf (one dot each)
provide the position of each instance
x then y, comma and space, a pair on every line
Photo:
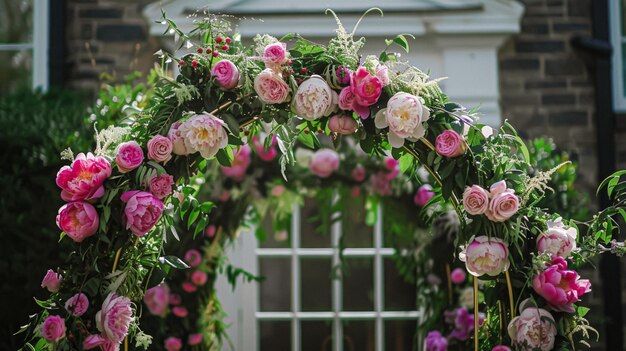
582, 311
160, 170
402, 42
174, 262
193, 216
225, 157
204, 220
406, 161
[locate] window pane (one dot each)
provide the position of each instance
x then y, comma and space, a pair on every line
275, 335
310, 221
399, 295
400, 335
316, 335
15, 70
358, 284
623, 18
16, 21
624, 68
275, 290
354, 230
315, 284
358, 335
268, 238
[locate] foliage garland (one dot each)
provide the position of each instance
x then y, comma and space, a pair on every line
218, 103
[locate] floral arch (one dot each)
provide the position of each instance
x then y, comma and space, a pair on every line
126, 199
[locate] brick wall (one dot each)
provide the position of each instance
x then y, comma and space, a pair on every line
106, 37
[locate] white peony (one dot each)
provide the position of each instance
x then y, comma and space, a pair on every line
405, 116
314, 99
205, 134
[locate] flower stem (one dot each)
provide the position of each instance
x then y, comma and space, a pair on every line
510, 288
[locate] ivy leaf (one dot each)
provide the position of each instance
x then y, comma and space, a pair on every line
174, 262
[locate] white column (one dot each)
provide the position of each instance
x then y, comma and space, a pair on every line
40, 44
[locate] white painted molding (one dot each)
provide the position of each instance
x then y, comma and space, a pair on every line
40, 44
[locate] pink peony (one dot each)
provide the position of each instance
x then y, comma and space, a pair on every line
435, 342
194, 339
53, 329
77, 305
501, 348
366, 88
114, 317
502, 206
79, 220
450, 144
173, 344
271, 88
178, 142
342, 124
485, 256
189, 287
92, 341
199, 278
457, 276
346, 99
463, 323
193, 258
533, 329
559, 286
405, 116
129, 156
160, 148
157, 299
475, 200
382, 72
265, 154
324, 162
84, 179
343, 75
179, 311
359, 173
52, 281
381, 184
142, 211
557, 240
204, 134
393, 166
161, 186
226, 74
175, 299
423, 195
314, 99
275, 55
239, 165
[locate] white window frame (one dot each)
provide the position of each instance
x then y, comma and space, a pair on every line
39, 46
618, 42
243, 305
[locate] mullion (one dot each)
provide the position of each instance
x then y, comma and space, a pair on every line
378, 281
337, 293
295, 277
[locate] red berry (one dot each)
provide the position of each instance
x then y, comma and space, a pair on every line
306, 131
200, 50
194, 63
320, 131
303, 70
228, 40
289, 62
181, 62
247, 132
218, 40
208, 51
215, 54
225, 47
299, 81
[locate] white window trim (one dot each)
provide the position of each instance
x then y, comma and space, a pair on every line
617, 41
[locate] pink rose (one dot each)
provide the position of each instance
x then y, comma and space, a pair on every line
355, 191
342, 124
194, 339
210, 231
324, 162
129, 156
485, 256
497, 188
160, 148
265, 154
173, 344
346, 99
79, 220
77, 305
189, 287
178, 142
226, 74
405, 116
114, 318
275, 55
314, 99
435, 342
52, 281
457, 276
382, 72
199, 278
366, 87
161, 186
84, 179
475, 200
450, 144
423, 195
501, 348
204, 134
557, 240
343, 75
53, 329
502, 206
175, 299
381, 184
359, 174
193, 258
157, 299
534, 328
393, 166
142, 211
239, 165
271, 88
278, 190
559, 286
92, 341
180, 312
